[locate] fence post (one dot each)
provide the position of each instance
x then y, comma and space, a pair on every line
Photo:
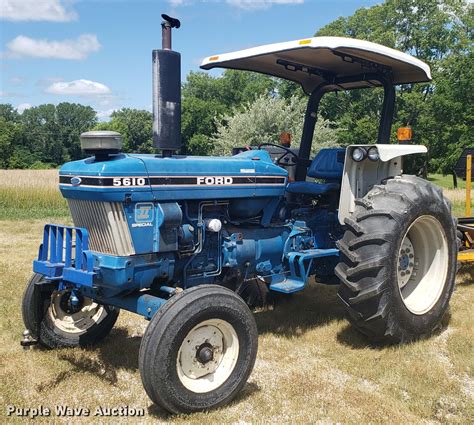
468, 185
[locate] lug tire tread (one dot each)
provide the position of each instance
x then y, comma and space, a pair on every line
369, 245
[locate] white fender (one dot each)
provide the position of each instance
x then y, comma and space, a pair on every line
359, 177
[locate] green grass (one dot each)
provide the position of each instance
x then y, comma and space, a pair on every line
446, 181
312, 366
456, 196
31, 194
31, 204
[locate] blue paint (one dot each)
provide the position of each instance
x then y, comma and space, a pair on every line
168, 203
251, 164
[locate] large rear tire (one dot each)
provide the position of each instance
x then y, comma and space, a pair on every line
198, 350
398, 260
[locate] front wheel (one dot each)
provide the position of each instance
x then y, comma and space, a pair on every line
51, 317
398, 260
198, 350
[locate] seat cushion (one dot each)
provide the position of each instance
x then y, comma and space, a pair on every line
311, 188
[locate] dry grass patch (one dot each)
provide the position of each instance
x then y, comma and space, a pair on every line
30, 194
458, 200
311, 366
26, 194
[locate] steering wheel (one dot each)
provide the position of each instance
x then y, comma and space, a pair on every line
288, 151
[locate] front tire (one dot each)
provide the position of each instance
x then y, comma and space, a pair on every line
398, 260
198, 350
51, 319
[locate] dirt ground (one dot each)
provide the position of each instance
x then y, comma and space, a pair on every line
312, 366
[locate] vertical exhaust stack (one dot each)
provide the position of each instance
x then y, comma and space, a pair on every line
167, 92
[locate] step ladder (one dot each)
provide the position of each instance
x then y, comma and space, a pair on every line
300, 265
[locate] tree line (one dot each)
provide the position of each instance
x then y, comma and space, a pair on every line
242, 108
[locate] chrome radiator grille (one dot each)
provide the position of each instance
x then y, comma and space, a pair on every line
106, 224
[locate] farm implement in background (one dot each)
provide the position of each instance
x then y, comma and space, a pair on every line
466, 224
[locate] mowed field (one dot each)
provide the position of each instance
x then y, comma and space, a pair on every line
312, 366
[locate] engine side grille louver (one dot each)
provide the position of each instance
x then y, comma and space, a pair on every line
106, 224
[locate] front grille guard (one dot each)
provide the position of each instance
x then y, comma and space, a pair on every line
64, 255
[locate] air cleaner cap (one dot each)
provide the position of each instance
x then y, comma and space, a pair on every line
101, 142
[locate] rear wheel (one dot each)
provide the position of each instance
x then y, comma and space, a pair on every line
254, 292
198, 350
398, 260
60, 319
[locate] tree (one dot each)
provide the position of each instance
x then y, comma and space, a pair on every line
207, 99
135, 126
263, 121
449, 127
10, 132
74, 119
8, 112
51, 133
41, 135
436, 31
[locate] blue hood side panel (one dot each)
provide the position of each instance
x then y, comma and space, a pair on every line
150, 178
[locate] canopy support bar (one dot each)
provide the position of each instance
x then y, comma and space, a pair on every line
311, 114
388, 109
310, 118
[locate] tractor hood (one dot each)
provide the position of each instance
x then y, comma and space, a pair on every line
152, 178
313, 61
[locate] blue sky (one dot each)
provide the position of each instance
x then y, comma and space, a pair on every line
98, 52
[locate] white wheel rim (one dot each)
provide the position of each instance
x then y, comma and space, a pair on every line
423, 261
79, 322
214, 335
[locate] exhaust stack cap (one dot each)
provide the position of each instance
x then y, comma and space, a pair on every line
101, 142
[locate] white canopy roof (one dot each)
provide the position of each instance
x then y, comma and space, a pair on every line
311, 61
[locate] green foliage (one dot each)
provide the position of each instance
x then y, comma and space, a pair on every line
243, 108
135, 126
450, 125
21, 158
207, 99
263, 120
38, 165
45, 134
200, 144
73, 119
10, 132
8, 112
441, 113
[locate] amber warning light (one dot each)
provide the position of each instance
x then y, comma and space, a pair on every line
404, 134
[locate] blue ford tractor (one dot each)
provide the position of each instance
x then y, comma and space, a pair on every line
194, 243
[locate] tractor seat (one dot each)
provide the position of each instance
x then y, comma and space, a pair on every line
328, 165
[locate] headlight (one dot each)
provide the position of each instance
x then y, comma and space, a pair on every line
359, 154
373, 154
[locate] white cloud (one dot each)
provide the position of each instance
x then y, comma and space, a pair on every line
16, 80
22, 106
44, 82
78, 88
105, 115
36, 10
241, 4
66, 49
260, 4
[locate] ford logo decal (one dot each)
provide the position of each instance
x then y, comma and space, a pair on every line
76, 181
